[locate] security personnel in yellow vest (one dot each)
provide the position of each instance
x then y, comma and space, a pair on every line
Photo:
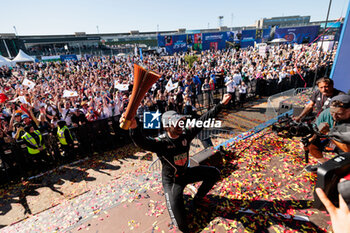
66, 141
36, 149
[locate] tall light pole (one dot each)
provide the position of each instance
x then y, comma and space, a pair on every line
98, 30
221, 19
321, 47
14, 28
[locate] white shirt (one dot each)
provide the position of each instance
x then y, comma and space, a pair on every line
242, 89
231, 86
237, 78
66, 116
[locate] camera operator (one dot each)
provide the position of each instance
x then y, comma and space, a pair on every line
320, 98
337, 114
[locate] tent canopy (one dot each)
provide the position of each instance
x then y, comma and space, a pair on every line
5, 61
23, 57
279, 40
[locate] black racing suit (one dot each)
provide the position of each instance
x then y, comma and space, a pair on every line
176, 174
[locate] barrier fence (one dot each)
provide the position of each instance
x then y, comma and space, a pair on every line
97, 136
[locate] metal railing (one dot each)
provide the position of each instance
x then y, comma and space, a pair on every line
273, 102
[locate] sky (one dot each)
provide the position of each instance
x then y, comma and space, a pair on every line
48, 17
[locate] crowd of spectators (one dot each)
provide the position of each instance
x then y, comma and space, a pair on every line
94, 84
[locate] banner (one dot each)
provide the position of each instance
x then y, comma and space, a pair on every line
215, 40
28, 83
67, 94
51, 58
341, 68
141, 56
174, 44
298, 35
21, 98
121, 87
69, 57
171, 86
248, 38
198, 42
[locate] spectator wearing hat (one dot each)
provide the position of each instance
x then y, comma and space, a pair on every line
338, 115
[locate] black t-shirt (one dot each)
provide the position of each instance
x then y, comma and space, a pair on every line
173, 153
79, 119
161, 105
322, 102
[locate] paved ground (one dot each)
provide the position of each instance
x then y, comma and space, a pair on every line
264, 188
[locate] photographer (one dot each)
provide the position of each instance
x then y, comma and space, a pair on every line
337, 114
320, 98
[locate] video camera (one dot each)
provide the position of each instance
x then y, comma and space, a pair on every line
328, 176
286, 126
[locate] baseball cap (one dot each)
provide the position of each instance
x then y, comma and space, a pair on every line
24, 116
170, 118
344, 101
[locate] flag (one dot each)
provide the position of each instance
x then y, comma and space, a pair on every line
171, 86
135, 51
28, 83
21, 98
122, 87
154, 86
3, 98
67, 94
141, 57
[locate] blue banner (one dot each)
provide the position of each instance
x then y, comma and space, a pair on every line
298, 34
198, 41
216, 40
173, 43
248, 38
69, 57
341, 69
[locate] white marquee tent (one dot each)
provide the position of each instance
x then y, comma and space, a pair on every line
5, 61
23, 57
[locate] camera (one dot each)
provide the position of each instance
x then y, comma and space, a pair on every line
328, 176
286, 126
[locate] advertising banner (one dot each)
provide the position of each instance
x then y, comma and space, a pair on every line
341, 68
298, 34
198, 41
69, 57
215, 40
248, 38
51, 58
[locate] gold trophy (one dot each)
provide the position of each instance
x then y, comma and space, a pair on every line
143, 81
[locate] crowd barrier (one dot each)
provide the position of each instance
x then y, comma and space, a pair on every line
97, 136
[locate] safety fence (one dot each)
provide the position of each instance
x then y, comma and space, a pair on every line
204, 101
93, 137
293, 96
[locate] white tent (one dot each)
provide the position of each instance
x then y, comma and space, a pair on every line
279, 40
5, 61
23, 57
